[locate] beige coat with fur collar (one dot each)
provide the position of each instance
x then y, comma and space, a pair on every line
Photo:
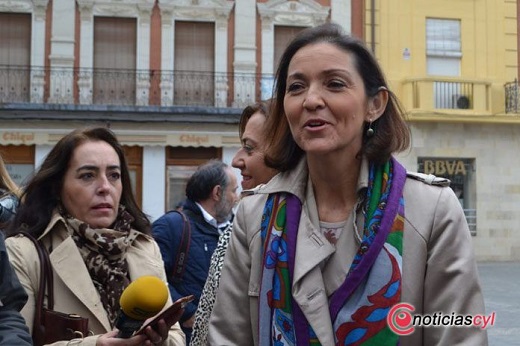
439, 269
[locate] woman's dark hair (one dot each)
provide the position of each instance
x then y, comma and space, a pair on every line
206, 177
391, 131
42, 194
247, 113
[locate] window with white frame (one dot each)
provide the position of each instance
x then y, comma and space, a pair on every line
443, 58
443, 38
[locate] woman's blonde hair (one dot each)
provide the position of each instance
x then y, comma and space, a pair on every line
6, 182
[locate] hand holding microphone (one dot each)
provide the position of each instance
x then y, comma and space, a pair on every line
142, 299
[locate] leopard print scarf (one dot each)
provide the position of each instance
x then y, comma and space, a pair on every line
104, 253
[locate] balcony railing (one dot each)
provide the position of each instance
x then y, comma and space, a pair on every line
131, 87
14, 84
512, 92
447, 94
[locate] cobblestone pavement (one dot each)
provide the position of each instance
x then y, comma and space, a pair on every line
501, 286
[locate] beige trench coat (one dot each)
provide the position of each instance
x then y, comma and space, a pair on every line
74, 291
439, 269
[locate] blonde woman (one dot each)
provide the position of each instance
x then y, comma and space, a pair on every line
9, 196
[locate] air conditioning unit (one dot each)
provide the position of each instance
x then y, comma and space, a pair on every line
460, 101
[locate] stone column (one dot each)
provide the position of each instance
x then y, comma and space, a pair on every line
38, 51
167, 35
221, 58
143, 58
340, 12
62, 52
267, 81
245, 53
86, 57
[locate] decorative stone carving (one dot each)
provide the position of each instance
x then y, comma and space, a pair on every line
119, 8
211, 10
166, 16
85, 9
267, 22
290, 12
36, 7
114, 10
40, 7
21, 6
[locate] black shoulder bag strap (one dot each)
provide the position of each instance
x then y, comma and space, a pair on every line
182, 253
45, 280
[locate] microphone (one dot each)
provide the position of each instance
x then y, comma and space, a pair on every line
142, 299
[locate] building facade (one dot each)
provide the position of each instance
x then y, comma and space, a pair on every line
454, 65
170, 77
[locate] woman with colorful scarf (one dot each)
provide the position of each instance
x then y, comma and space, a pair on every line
344, 247
81, 208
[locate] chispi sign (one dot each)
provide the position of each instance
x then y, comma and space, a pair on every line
444, 167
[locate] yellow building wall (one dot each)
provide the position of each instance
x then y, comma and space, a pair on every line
488, 37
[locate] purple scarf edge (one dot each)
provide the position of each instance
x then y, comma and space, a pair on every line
355, 277
301, 329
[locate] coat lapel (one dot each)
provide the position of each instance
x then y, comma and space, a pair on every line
308, 286
69, 266
139, 264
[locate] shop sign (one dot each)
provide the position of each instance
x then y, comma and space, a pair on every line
444, 167
194, 139
14, 137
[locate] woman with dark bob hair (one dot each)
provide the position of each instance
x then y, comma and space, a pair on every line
79, 206
344, 244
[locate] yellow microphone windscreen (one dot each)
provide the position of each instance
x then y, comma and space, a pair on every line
144, 297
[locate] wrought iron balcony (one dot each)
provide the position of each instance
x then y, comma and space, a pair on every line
20, 84
512, 92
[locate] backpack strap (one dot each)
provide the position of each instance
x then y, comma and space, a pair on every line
182, 252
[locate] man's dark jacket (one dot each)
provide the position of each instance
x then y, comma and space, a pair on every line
167, 231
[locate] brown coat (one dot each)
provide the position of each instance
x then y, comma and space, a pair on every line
74, 291
439, 269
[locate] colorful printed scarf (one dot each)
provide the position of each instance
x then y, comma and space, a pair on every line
359, 307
